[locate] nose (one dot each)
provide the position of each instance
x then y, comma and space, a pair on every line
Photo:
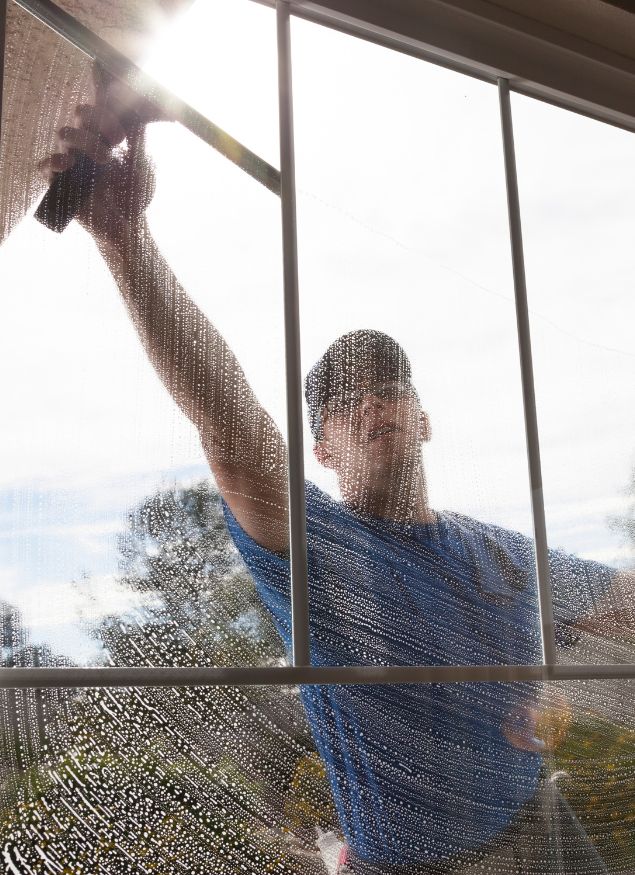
370, 403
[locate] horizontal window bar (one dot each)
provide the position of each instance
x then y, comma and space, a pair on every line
123, 68
195, 676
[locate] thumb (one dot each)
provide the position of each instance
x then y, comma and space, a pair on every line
101, 80
136, 138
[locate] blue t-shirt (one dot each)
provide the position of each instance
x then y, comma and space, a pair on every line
419, 772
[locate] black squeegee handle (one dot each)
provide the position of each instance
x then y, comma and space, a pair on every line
67, 193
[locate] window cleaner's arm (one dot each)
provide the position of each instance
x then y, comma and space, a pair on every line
243, 445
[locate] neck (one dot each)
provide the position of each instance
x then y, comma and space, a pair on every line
390, 501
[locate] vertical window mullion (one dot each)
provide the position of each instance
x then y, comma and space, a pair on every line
297, 506
3, 25
545, 601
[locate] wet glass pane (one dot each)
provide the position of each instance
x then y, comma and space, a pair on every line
110, 517
577, 190
419, 522
222, 780
228, 780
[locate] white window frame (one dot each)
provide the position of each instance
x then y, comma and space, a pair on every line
442, 51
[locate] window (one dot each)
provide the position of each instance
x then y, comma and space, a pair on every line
172, 731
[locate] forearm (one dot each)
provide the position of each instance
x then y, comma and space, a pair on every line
245, 450
188, 353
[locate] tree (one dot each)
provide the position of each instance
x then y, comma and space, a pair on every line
155, 780
27, 717
625, 524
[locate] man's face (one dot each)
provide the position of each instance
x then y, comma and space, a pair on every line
371, 437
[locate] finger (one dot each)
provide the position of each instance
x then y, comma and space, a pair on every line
93, 145
127, 101
101, 120
101, 79
56, 163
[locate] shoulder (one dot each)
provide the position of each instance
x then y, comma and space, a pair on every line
495, 538
323, 513
327, 519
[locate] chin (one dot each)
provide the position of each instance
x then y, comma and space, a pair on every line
393, 470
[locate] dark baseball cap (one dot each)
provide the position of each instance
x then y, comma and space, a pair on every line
353, 361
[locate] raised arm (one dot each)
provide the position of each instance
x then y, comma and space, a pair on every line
244, 448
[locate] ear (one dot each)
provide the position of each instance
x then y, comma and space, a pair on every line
321, 453
425, 430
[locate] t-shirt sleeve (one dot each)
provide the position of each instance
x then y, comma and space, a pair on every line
270, 571
578, 585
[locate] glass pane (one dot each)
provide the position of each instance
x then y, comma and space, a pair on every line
227, 780
222, 780
110, 517
577, 190
419, 518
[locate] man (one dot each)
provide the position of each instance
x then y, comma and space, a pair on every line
428, 777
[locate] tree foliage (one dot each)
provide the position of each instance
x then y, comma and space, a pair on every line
193, 779
625, 524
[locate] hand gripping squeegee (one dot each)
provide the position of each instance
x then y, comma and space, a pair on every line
70, 188
67, 193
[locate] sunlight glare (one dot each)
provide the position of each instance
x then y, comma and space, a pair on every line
214, 57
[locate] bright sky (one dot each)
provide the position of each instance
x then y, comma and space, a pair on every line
402, 226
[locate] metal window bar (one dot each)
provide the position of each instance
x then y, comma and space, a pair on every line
545, 606
3, 26
297, 504
22, 678
194, 676
122, 67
